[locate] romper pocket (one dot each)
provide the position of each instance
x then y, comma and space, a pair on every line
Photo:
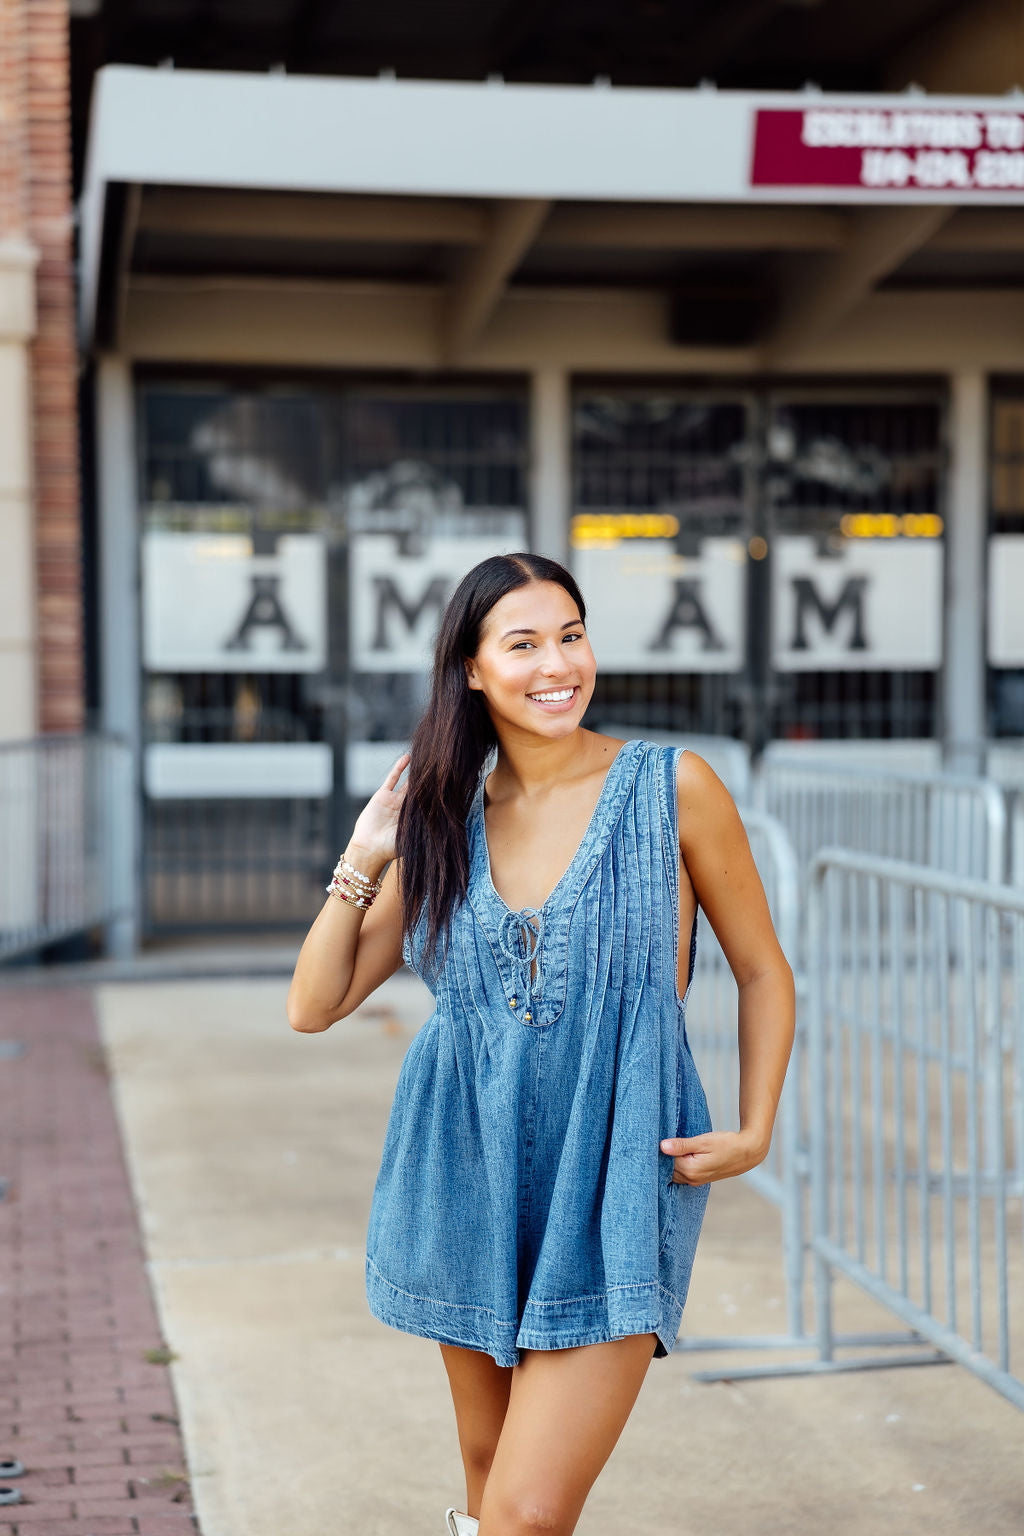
692, 1119
694, 1114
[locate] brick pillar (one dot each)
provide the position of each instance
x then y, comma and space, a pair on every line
18, 716
35, 202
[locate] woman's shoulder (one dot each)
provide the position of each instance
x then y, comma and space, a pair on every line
685, 772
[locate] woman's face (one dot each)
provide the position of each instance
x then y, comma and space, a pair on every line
533, 645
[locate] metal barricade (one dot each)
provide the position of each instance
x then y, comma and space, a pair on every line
1000, 759
1015, 874
67, 807
916, 1047
953, 822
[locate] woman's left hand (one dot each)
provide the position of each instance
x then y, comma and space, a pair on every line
714, 1155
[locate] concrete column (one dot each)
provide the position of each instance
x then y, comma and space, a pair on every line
119, 641
550, 463
18, 693
966, 535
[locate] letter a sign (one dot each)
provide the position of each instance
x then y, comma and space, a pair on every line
209, 604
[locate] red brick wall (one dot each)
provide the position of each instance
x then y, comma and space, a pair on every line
35, 199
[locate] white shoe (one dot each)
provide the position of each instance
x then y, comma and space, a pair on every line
459, 1524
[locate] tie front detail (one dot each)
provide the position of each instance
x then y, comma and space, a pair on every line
520, 943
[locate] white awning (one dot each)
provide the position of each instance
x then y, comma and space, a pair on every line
198, 128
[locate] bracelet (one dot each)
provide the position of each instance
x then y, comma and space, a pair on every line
358, 877
351, 885
352, 901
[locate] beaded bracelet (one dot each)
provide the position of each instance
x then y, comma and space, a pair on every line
352, 901
351, 885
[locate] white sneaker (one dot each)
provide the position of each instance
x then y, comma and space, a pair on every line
459, 1524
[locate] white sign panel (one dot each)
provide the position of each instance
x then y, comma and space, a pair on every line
397, 599
238, 770
876, 605
210, 605
650, 609
1005, 609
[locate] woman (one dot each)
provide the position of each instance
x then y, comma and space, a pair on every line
549, 1153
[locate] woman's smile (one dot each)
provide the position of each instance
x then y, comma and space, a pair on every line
555, 701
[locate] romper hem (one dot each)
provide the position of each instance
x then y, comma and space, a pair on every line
600, 1318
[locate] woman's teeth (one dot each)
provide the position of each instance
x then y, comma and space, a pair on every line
553, 698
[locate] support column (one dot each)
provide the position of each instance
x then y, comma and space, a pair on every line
550, 463
19, 717
119, 640
963, 701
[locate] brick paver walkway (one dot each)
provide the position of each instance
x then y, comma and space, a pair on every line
93, 1422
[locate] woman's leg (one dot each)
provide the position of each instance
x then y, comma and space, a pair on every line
480, 1392
566, 1410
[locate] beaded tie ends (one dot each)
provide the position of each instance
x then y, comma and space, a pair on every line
520, 942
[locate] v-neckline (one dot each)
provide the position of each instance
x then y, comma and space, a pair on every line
584, 840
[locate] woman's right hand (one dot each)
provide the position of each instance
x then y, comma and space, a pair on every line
377, 823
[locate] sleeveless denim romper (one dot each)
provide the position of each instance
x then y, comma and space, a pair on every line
523, 1200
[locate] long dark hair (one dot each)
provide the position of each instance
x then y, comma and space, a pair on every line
450, 745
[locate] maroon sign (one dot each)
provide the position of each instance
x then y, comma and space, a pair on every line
921, 149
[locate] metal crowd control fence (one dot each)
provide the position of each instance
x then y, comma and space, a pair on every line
951, 822
1016, 857
67, 806
915, 1048
916, 1043
1001, 759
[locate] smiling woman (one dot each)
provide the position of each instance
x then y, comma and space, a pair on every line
549, 1153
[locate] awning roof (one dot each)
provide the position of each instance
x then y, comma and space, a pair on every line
515, 169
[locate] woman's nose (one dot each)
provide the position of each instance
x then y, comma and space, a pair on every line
556, 662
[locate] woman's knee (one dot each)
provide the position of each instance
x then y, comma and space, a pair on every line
517, 1512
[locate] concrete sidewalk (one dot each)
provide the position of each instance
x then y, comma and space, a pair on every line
253, 1152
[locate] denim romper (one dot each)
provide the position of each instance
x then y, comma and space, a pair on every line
523, 1200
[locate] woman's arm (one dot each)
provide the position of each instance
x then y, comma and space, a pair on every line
350, 950
714, 845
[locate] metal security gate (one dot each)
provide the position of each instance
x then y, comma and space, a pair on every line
297, 546
756, 564
856, 479
789, 545
654, 477
1005, 635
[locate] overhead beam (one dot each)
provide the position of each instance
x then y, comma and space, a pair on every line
292, 216
126, 248
976, 47
690, 228
453, 221
981, 229
329, 324
475, 294
814, 304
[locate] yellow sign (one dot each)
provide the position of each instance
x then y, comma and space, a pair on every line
603, 530
891, 525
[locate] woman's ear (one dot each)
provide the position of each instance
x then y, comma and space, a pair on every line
471, 674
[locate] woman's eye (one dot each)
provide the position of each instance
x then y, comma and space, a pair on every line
530, 642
